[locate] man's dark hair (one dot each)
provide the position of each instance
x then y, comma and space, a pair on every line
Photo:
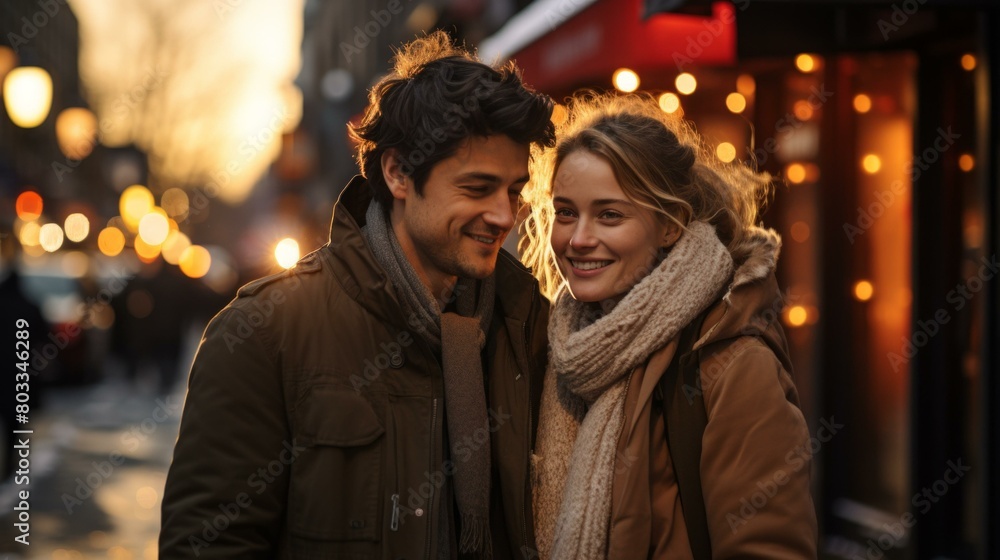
436, 96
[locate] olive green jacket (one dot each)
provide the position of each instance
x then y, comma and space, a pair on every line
314, 422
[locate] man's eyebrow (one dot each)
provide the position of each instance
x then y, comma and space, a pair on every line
478, 176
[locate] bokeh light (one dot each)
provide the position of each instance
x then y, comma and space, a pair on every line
154, 227
76, 132
29, 206
862, 103
670, 102
800, 231
134, 203
147, 253
195, 261
27, 94
966, 162
287, 252
803, 110
871, 163
796, 173
29, 234
686, 83
75, 264
746, 85
625, 80
863, 290
174, 246
111, 241
726, 152
736, 103
176, 203
796, 316
806, 63
77, 227
50, 237
968, 62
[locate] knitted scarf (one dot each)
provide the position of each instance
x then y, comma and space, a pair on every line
583, 395
460, 337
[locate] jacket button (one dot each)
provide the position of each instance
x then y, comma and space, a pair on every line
357, 524
419, 512
396, 360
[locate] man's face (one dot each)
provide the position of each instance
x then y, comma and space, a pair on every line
468, 206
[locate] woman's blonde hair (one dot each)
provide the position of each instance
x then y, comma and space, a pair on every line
661, 163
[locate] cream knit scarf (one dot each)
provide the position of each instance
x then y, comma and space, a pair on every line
583, 394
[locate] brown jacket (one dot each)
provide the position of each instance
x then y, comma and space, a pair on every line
755, 463
314, 422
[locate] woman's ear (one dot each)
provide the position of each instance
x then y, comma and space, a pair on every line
673, 233
392, 171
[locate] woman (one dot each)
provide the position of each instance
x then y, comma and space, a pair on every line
650, 248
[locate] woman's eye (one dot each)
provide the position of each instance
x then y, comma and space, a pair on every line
564, 213
611, 215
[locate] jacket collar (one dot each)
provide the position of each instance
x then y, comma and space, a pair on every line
363, 278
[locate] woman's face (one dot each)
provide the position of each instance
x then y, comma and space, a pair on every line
603, 242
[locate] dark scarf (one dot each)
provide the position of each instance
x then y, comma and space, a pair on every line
460, 337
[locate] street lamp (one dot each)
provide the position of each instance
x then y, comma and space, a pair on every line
27, 95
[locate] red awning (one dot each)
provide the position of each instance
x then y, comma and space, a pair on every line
606, 35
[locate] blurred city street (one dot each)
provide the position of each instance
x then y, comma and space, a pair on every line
86, 502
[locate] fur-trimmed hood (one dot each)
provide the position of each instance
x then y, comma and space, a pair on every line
753, 302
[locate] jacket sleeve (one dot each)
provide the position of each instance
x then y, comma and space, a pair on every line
226, 488
756, 459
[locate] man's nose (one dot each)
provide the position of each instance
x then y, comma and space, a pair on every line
501, 212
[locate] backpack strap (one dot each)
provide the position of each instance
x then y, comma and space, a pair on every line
685, 419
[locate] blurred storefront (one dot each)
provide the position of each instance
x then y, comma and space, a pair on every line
877, 119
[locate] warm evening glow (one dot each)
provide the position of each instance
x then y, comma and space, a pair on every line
796, 173
27, 94
966, 162
29, 234
803, 110
50, 237
968, 62
726, 152
863, 290
195, 261
805, 63
154, 227
77, 227
111, 241
746, 85
736, 103
287, 252
871, 163
146, 251
175, 202
686, 83
862, 103
134, 203
29, 206
625, 80
670, 102
76, 132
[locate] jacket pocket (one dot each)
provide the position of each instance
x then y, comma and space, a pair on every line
336, 482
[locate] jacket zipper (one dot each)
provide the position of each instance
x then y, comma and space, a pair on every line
430, 500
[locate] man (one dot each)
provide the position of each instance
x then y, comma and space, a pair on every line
380, 398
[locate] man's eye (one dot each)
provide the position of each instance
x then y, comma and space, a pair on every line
476, 190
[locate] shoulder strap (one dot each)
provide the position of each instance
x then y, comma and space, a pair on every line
685, 418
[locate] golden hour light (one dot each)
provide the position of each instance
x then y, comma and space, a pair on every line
796, 173
871, 163
29, 206
805, 63
625, 80
736, 103
726, 152
968, 62
796, 316
670, 102
27, 94
77, 227
111, 241
800, 231
154, 227
174, 247
746, 85
862, 103
76, 132
147, 252
686, 83
559, 114
175, 202
966, 162
287, 252
50, 237
863, 290
134, 203
195, 261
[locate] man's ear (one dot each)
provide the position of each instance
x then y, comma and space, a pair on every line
399, 183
